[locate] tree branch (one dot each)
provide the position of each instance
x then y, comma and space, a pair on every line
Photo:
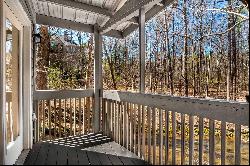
229, 12
231, 28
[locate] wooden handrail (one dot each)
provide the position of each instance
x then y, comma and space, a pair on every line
229, 111
62, 94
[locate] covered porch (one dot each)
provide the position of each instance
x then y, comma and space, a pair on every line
110, 127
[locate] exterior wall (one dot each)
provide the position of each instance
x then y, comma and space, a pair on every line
2, 108
25, 78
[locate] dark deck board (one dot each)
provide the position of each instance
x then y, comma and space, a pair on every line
82, 157
61, 156
126, 161
30, 160
92, 149
72, 156
104, 159
42, 155
52, 156
93, 158
115, 160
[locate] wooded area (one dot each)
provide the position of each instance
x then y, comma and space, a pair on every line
194, 48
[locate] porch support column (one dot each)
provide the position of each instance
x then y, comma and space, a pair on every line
27, 88
97, 78
142, 48
2, 88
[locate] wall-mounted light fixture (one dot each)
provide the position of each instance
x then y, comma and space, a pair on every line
37, 38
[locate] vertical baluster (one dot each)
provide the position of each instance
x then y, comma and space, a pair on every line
182, 139
223, 143
154, 135
55, 118
74, 116
49, 119
80, 115
149, 134
115, 120
64, 118
201, 132
60, 118
90, 105
191, 139
125, 129
71, 122
111, 120
38, 121
35, 127
139, 131
92, 114
83, 116
173, 138
88, 113
126, 124
134, 129
103, 116
130, 126
9, 123
211, 142
237, 144
123, 123
161, 136
44, 118
143, 133
119, 122
167, 137
108, 118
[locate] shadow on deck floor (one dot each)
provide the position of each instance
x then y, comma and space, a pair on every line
91, 149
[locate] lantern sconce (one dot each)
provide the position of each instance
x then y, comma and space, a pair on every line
37, 38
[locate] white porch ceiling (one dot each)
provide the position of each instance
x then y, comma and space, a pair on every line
116, 18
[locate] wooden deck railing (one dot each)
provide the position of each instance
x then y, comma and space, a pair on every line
176, 130
159, 129
9, 119
62, 113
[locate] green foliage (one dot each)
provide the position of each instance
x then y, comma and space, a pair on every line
54, 78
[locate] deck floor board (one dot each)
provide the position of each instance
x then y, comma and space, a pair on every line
92, 149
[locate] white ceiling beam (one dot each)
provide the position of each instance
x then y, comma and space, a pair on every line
81, 6
114, 33
151, 13
58, 22
125, 13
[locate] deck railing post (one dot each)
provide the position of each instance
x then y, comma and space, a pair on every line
142, 48
97, 78
142, 71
